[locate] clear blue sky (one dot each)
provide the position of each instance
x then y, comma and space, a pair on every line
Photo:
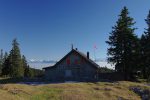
46, 29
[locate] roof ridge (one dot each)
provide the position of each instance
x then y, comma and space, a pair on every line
84, 55
81, 54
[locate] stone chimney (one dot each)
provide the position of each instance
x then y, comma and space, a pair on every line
88, 55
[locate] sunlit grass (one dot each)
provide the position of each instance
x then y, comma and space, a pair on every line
70, 91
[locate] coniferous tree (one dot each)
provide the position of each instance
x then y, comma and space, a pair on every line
24, 62
6, 65
13, 64
145, 43
16, 68
25, 66
28, 72
5, 56
1, 61
143, 62
124, 45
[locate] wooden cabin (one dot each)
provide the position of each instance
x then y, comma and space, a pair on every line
75, 66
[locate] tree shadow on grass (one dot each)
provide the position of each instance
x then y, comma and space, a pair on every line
19, 80
10, 80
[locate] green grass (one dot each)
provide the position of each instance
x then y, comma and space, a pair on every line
71, 91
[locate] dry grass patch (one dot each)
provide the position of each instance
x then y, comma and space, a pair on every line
70, 91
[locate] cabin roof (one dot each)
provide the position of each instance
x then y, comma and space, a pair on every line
80, 54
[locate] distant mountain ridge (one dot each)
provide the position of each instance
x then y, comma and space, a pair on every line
41, 61
53, 61
101, 60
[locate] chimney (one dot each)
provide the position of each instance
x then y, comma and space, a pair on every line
88, 55
76, 48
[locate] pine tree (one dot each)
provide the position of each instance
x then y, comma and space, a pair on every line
1, 61
25, 66
28, 72
13, 64
143, 62
24, 61
145, 40
16, 68
124, 45
6, 65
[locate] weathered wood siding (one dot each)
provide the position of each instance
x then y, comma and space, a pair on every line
75, 65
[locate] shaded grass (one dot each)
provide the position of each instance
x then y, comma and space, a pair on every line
71, 91
8, 80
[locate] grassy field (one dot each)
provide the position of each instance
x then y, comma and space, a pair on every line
71, 91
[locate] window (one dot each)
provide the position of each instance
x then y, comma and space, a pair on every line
68, 61
76, 62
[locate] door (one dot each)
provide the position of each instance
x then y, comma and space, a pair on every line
68, 73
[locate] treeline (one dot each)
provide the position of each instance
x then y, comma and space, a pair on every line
129, 53
106, 70
14, 65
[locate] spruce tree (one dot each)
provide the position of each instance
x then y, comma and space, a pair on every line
143, 62
25, 66
6, 65
28, 72
124, 45
145, 42
16, 68
1, 61
24, 62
